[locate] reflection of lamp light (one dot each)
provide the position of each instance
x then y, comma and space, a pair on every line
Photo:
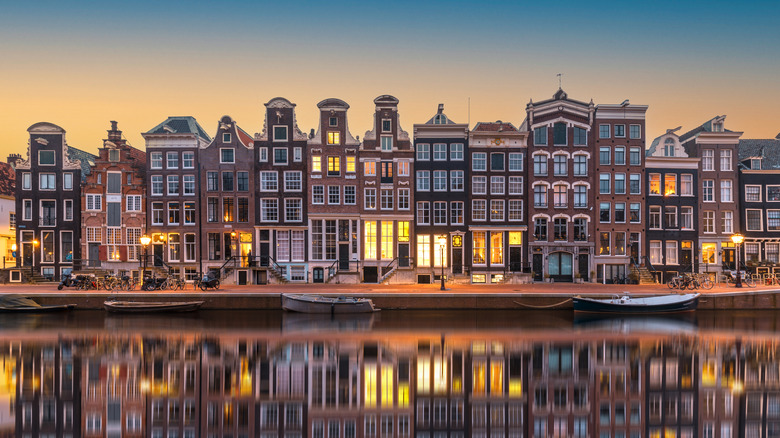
737, 239
145, 240
442, 245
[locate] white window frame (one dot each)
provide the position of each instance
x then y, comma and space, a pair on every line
222, 151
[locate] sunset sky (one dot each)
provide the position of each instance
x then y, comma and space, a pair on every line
81, 64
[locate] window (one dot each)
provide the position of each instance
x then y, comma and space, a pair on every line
227, 181
47, 181
478, 210
580, 196
439, 180
173, 213
496, 209
94, 202
334, 166
540, 196
293, 210
173, 184
334, 195
497, 161
620, 131
26, 181
540, 136
369, 199
654, 221
439, 152
515, 185
280, 133
456, 180
604, 183
269, 210
318, 194
479, 185
423, 180
268, 181
725, 190
243, 210
604, 212
686, 218
580, 136
708, 190
772, 220
369, 168
752, 193
479, 247
707, 160
478, 161
387, 143
560, 167
635, 184
386, 125
423, 152
189, 213
669, 147
671, 253
334, 137
172, 160
515, 161
46, 158
316, 163
212, 181
350, 195
496, 185
725, 160
456, 152
403, 199
559, 134
156, 159
604, 241
189, 184
580, 165
67, 181
540, 165
603, 131
560, 196
68, 210
708, 222
635, 156
280, 156
456, 212
605, 153
655, 183
540, 229
423, 213
227, 155
515, 210
351, 165
133, 202
670, 217
263, 155
620, 155
620, 183
386, 199
293, 181
560, 227
635, 131
157, 213
655, 251
440, 213
188, 160
620, 212
243, 181
773, 193
633, 213
727, 219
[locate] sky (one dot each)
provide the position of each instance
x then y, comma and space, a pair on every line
82, 64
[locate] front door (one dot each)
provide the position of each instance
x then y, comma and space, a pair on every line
403, 255
370, 274
634, 251
27, 250
537, 267
158, 255
264, 253
318, 275
457, 261
94, 253
729, 261
516, 258
583, 265
559, 266
343, 256
242, 276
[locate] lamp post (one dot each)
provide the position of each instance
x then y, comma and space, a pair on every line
32, 259
145, 240
737, 239
442, 245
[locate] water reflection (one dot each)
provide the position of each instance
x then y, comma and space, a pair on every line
394, 374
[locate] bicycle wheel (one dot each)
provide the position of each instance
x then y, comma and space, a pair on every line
707, 284
750, 282
216, 284
672, 283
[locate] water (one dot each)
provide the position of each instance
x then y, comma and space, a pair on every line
394, 373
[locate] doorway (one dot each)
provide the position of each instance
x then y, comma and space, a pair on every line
370, 274
634, 248
583, 263
559, 266
264, 253
94, 254
516, 258
318, 275
343, 256
158, 255
242, 277
537, 267
457, 261
729, 260
403, 255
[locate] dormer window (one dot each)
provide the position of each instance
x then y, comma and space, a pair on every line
113, 155
440, 119
386, 125
669, 147
334, 137
717, 127
280, 133
226, 137
755, 163
333, 121
46, 158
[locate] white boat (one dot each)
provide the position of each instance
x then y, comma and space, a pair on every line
307, 303
628, 304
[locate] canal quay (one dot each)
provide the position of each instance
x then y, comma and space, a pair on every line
526, 297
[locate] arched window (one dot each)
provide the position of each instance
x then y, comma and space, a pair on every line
669, 147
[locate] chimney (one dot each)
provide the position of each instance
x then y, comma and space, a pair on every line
13, 159
311, 134
114, 134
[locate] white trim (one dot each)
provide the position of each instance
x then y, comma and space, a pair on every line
545, 153
581, 183
562, 215
540, 216
560, 182
541, 183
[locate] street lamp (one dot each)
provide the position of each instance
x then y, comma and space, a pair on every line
442, 245
145, 240
737, 239
32, 263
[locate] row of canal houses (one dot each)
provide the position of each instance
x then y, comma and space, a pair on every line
571, 193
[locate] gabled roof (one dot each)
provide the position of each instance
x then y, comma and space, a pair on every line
180, 125
497, 126
767, 149
704, 127
440, 118
243, 137
7, 179
558, 96
86, 159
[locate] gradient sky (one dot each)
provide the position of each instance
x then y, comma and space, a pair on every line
81, 64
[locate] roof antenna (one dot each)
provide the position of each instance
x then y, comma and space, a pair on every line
560, 75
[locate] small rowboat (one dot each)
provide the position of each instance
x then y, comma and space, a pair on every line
151, 306
628, 304
306, 303
20, 304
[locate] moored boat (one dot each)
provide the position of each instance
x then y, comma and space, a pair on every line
306, 303
151, 306
18, 303
628, 304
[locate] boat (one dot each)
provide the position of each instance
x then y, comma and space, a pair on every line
628, 304
151, 306
18, 303
306, 303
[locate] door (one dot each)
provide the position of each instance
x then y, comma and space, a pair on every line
242, 276
516, 258
729, 262
582, 268
370, 274
264, 253
158, 255
634, 251
27, 250
318, 275
403, 255
457, 261
686, 257
343, 256
537, 267
262, 277
559, 266
94, 253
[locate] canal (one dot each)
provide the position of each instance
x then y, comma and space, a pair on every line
430, 374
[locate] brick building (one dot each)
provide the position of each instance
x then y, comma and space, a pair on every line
759, 201
113, 211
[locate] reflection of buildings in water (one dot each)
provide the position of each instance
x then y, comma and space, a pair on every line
368, 385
